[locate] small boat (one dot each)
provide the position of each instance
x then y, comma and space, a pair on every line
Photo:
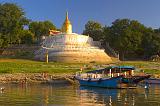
111, 77
152, 81
100, 82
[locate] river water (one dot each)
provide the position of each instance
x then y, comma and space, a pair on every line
67, 95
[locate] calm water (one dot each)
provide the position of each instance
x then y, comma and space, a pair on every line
66, 95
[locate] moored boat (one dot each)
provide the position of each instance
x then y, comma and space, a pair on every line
111, 77
100, 82
152, 81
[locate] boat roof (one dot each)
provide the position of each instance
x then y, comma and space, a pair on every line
115, 69
127, 67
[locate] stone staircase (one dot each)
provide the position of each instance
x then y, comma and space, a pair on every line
111, 52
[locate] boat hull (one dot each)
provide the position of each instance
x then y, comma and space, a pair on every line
134, 79
101, 82
152, 81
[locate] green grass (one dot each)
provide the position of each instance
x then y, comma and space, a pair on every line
29, 66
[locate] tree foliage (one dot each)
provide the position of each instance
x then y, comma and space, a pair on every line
94, 30
27, 37
129, 37
125, 36
151, 44
12, 20
12, 23
41, 28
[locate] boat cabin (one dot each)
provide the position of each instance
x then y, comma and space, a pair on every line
113, 71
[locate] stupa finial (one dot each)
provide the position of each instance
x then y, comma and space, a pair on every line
66, 15
67, 26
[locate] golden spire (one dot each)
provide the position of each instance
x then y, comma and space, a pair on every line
67, 26
67, 15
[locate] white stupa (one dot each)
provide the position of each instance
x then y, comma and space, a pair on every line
66, 46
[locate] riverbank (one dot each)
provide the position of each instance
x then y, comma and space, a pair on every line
42, 78
29, 71
38, 78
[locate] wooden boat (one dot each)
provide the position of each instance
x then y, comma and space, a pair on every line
152, 81
100, 82
111, 77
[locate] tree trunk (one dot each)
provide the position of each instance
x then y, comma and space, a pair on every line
121, 56
1, 51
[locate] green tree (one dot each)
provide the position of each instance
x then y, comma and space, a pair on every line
27, 37
40, 29
94, 30
12, 20
125, 36
151, 44
1, 40
157, 33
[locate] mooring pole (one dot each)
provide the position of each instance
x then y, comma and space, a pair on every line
46, 55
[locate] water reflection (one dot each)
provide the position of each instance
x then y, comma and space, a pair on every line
98, 95
66, 95
122, 97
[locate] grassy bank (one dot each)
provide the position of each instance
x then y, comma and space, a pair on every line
30, 66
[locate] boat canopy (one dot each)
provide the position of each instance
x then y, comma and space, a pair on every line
114, 69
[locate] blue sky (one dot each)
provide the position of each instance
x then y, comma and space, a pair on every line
80, 11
